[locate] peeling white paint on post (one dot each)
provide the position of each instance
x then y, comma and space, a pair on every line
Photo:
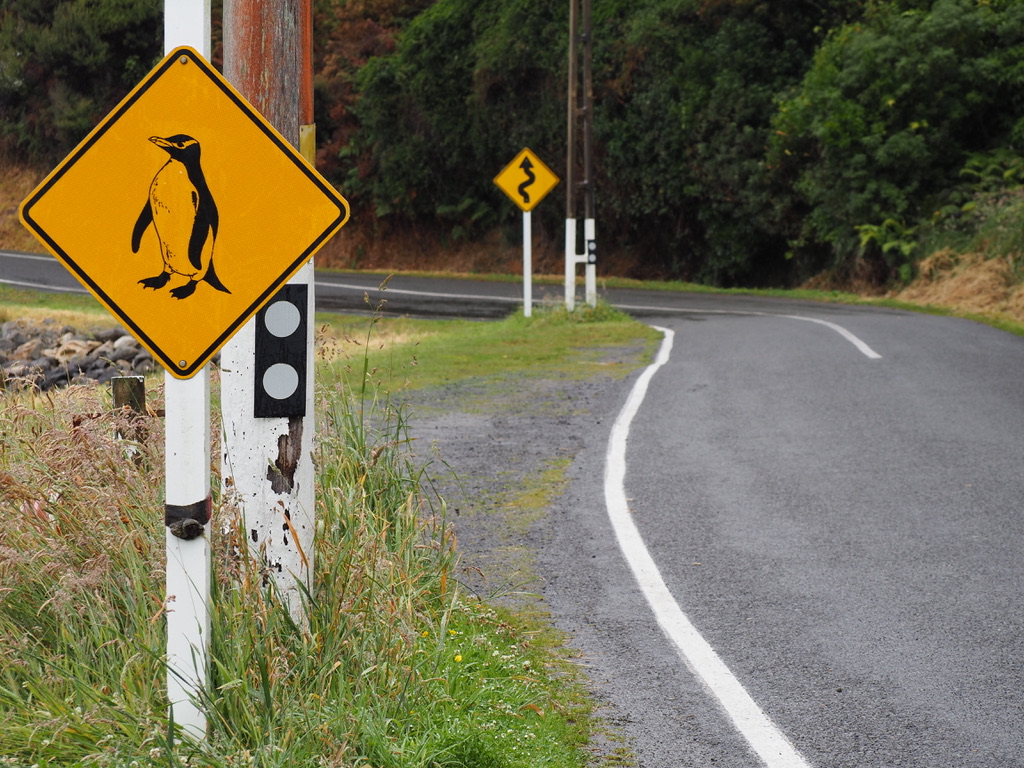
268, 461
187, 468
268, 466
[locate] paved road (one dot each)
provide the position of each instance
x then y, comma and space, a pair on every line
832, 496
844, 531
428, 297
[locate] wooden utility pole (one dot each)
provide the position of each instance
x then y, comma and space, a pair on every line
579, 171
268, 438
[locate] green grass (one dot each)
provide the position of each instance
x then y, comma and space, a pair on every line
411, 354
397, 667
80, 310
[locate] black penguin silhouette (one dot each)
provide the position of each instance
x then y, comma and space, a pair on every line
184, 216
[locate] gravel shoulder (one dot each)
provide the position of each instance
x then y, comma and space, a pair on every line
520, 464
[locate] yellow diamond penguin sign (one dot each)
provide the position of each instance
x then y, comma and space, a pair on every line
184, 211
526, 180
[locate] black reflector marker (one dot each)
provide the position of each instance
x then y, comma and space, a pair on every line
280, 386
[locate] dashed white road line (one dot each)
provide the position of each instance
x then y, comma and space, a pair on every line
863, 348
764, 737
860, 345
20, 284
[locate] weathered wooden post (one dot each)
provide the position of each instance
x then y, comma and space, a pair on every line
579, 156
267, 378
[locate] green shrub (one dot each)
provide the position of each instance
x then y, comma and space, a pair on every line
886, 118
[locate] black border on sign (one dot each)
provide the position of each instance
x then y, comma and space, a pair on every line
260, 122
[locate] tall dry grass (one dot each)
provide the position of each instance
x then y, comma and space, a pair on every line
394, 667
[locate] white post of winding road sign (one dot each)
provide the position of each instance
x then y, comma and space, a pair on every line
526, 180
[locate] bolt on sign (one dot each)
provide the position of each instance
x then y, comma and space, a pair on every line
526, 180
184, 211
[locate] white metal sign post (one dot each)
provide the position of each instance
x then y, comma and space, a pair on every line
205, 156
526, 180
527, 264
187, 468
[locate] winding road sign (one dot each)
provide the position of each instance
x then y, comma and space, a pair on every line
184, 211
526, 180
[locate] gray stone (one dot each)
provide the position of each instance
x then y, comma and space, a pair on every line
51, 355
109, 334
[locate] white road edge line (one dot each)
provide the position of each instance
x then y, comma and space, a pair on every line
25, 256
860, 345
764, 737
431, 294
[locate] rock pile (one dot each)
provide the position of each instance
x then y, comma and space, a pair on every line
47, 355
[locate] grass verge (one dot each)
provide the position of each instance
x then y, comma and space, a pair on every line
397, 666
410, 354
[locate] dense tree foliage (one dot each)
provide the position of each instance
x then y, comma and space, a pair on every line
737, 141
685, 93
469, 84
65, 63
687, 98
889, 113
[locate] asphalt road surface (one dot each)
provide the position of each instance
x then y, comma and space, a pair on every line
841, 532
812, 556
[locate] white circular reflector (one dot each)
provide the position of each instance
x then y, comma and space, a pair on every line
282, 318
280, 381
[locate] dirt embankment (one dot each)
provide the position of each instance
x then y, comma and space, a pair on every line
968, 283
15, 185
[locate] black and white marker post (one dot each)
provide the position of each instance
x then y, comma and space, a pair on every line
187, 468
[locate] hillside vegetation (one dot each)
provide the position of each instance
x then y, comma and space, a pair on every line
738, 142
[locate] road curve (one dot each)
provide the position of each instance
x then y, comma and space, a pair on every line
843, 532
832, 498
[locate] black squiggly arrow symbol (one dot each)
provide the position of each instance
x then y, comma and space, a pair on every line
527, 167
